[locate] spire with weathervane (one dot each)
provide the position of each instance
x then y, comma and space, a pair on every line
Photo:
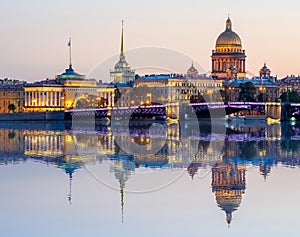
122, 72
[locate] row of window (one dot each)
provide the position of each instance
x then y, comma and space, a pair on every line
228, 50
8, 102
8, 93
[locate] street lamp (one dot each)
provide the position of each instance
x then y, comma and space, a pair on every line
230, 93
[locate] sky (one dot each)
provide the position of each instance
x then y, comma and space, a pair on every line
34, 34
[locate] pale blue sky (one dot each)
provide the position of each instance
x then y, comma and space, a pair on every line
34, 34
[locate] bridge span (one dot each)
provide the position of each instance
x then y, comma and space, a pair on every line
186, 111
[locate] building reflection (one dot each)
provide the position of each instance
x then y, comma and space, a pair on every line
228, 184
191, 146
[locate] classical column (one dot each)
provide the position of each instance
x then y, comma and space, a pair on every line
43, 100
47, 98
55, 98
113, 100
59, 98
109, 100
28, 99
25, 98
40, 99
36, 98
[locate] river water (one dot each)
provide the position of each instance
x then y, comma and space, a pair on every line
238, 178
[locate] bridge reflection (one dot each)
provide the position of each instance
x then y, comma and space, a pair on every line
192, 147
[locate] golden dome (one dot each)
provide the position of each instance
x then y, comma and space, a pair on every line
228, 37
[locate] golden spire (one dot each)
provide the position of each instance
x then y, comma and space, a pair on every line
122, 39
70, 189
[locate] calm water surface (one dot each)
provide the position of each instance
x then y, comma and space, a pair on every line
150, 179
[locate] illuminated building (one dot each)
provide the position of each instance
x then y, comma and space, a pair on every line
265, 84
176, 88
291, 83
228, 58
192, 71
122, 72
265, 71
68, 90
228, 184
11, 94
12, 143
45, 95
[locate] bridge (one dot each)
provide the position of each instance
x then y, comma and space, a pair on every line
160, 112
133, 112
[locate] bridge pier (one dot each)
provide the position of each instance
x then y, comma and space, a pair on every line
273, 110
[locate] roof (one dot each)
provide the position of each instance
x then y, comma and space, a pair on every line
228, 37
47, 82
70, 74
173, 76
255, 80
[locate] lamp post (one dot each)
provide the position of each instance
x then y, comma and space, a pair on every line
230, 93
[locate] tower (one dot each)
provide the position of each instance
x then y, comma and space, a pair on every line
228, 58
265, 71
192, 71
122, 72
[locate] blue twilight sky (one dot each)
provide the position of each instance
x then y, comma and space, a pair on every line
34, 34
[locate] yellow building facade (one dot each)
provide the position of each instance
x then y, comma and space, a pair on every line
11, 95
176, 88
69, 90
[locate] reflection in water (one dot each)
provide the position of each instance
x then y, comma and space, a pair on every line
190, 147
228, 184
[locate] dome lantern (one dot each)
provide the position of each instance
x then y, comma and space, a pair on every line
228, 24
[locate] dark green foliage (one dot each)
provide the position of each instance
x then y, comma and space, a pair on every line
290, 96
11, 107
247, 92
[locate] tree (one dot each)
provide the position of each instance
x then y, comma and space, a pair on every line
224, 95
247, 92
117, 95
11, 107
11, 135
197, 98
262, 97
290, 96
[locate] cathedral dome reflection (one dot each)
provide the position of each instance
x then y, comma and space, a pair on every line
228, 184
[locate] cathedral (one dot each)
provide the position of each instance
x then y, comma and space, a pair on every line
228, 58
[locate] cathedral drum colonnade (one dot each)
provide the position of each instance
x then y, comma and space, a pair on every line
228, 58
